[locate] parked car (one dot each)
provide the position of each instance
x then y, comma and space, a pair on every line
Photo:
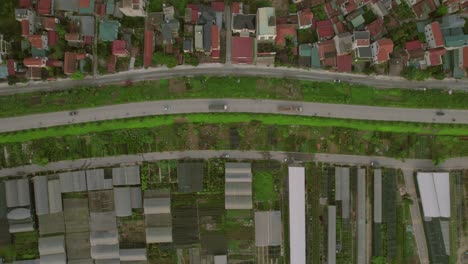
337, 81
289, 108
440, 113
72, 113
217, 107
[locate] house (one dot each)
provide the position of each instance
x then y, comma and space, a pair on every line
286, 31
48, 23
119, 49
376, 29
11, 64
348, 6
27, 20
378, 8
266, 24
168, 12
67, 5
433, 57
305, 18
456, 42
305, 54
215, 47
242, 50
38, 42
423, 8
344, 63
415, 54
381, 50
35, 62
198, 36
44, 7
148, 48
237, 8
188, 45
361, 45
325, 29
433, 35
70, 66
217, 6
108, 30
25, 3
327, 53
343, 43
86, 7
132, 8
170, 31
243, 23
356, 19
339, 27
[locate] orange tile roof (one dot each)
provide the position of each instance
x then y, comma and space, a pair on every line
36, 41
33, 62
282, 31
214, 37
437, 33
465, 57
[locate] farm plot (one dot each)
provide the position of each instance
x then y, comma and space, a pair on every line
267, 178
435, 242
315, 228
185, 220
161, 174
238, 227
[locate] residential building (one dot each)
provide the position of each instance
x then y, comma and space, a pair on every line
215, 47
132, 8
242, 50
188, 45
108, 30
433, 57
266, 24
325, 29
343, 43
381, 50
243, 23
198, 36
44, 7
378, 8
38, 42
86, 7
415, 54
376, 29
305, 18
170, 30
148, 48
423, 8
286, 31
348, 6
344, 63
327, 53
361, 45
27, 20
70, 66
119, 48
433, 35
456, 42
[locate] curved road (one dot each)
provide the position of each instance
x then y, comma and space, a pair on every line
234, 105
234, 70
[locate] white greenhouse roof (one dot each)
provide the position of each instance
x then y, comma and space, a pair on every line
297, 214
435, 193
268, 228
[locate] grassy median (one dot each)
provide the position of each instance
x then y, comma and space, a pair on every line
228, 87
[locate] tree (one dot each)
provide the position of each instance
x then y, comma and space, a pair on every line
379, 260
441, 11
160, 58
190, 59
78, 75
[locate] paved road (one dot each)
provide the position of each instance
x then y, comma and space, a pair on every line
418, 228
234, 70
234, 105
292, 157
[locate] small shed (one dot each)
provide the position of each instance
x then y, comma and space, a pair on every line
105, 251
220, 259
157, 205
97, 180
18, 214
17, 193
135, 197
103, 238
268, 228
159, 235
74, 181
122, 200
41, 196
238, 187
51, 245
133, 254
126, 175
18, 228
54, 196
104, 221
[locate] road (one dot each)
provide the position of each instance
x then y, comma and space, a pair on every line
234, 105
418, 228
234, 70
292, 157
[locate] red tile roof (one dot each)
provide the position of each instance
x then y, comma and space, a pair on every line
376, 27
325, 29
119, 48
385, 47
284, 30
100, 9
214, 37
340, 28
69, 66
351, 6
305, 17
148, 48
72, 36
88, 40
215, 54
24, 3
33, 62
194, 8
344, 63
111, 64
52, 37
54, 63
11, 67
330, 10
435, 56
362, 42
49, 23
437, 33
218, 6
326, 48
85, 3
465, 57
242, 50
235, 7
44, 7
36, 41
413, 45
24, 27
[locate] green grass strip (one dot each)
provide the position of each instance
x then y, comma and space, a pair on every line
226, 118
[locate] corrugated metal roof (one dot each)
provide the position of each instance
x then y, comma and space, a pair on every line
342, 187
238, 188
17, 228
31, 261
134, 254
126, 175
19, 213
54, 259
297, 209
338, 179
81, 261
361, 212
268, 228
74, 181
107, 261
135, 196
41, 196
435, 193
103, 238
104, 221
51, 245
331, 235
105, 251
159, 235
55, 196
190, 177
122, 200
377, 196
238, 177
238, 202
95, 180
220, 259
238, 167
157, 205
17, 193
